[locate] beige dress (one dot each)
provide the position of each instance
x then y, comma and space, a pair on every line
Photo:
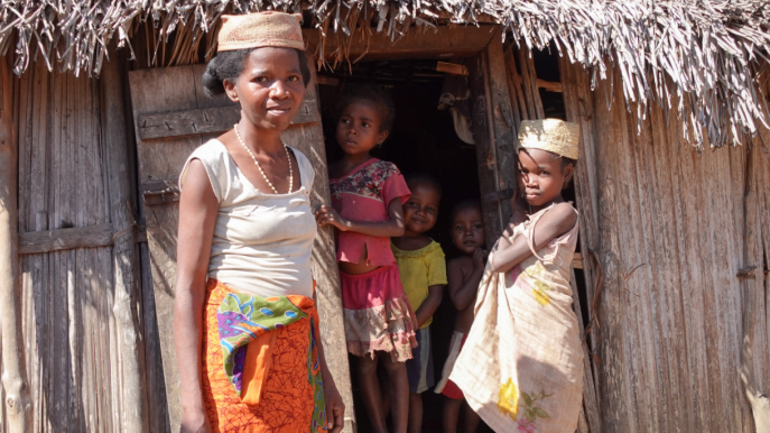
521, 368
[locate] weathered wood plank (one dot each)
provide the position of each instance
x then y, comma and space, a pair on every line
125, 258
485, 149
461, 41
152, 91
65, 239
14, 378
502, 126
309, 139
206, 121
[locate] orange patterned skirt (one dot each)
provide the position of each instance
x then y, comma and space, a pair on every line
287, 399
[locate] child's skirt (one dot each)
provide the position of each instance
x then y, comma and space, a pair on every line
419, 369
377, 314
445, 385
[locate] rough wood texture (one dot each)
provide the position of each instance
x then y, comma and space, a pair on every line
47, 241
125, 256
494, 133
206, 121
460, 41
158, 90
14, 378
78, 354
665, 234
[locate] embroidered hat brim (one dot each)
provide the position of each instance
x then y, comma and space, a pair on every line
260, 29
553, 135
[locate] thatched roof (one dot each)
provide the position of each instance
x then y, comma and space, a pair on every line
703, 57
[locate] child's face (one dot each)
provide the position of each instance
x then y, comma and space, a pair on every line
542, 176
468, 230
421, 211
358, 129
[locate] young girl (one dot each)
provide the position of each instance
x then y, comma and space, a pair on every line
522, 365
464, 274
367, 199
423, 273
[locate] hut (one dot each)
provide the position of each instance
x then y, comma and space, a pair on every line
101, 102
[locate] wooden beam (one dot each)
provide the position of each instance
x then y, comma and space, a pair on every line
47, 241
550, 86
446, 42
205, 121
14, 378
451, 68
324, 80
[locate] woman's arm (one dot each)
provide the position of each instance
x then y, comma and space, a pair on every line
430, 304
197, 216
463, 291
392, 228
553, 224
335, 407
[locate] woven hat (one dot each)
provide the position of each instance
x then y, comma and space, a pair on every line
553, 135
260, 29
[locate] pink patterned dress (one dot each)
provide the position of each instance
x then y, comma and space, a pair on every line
377, 313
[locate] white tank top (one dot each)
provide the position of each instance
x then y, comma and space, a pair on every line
262, 242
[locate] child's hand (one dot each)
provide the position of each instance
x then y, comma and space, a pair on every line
328, 216
479, 258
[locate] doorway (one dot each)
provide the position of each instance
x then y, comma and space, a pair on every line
423, 140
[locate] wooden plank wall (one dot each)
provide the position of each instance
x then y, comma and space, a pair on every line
670, 231
76, 366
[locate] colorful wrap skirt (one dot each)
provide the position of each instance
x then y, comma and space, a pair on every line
377, 314
260, 369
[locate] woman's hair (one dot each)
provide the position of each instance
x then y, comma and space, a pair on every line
228, 65
375, 95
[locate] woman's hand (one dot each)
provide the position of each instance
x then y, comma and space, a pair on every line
335, 408
328, 216
194, 421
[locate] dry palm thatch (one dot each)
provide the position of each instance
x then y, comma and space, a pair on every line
701, 57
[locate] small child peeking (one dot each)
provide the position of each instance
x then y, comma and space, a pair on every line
522, 365
464, 274
367, 198
422, 267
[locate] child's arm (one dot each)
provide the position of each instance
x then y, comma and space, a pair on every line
430, 304
553, 224
463, 291
392, 228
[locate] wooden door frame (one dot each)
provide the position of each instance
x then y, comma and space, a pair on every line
483, 49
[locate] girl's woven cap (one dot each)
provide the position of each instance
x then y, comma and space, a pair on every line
553, 135
260, 29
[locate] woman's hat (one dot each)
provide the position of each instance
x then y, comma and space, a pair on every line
260, 29
553, 135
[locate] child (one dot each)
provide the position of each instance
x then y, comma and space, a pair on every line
465, 274
367, 199
423, 273
522, 365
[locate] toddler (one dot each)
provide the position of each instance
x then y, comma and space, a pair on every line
423, 274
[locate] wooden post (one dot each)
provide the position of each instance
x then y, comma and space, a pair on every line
14, 375
125, 260
493, 132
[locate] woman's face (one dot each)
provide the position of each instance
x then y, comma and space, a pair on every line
270, 88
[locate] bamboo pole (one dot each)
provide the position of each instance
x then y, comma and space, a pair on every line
14, 375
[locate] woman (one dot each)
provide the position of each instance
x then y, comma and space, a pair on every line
245, 322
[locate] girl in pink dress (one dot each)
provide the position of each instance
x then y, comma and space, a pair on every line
367, 199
